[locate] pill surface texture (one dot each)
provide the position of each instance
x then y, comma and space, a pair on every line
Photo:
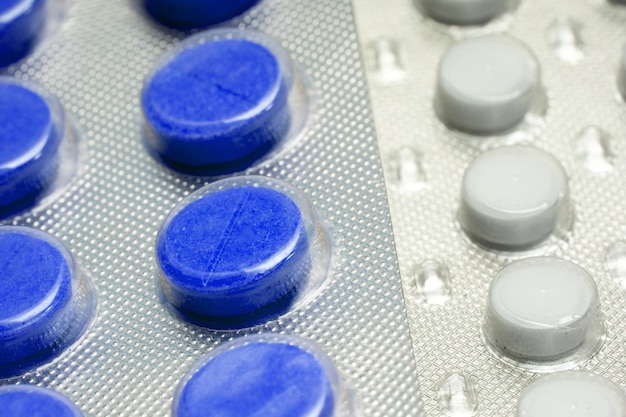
544, 309
485, 85
259, 379
29, 144
42, 309
238, 253
572, 394
236, 114
513, 198
34, 401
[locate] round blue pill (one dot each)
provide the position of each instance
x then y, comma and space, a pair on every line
216, 107
188, 14
234, 257
37, 315
21, 26
258, 379
33, 401
29, 142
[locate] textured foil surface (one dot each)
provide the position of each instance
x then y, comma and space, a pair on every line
135, 353
578, 45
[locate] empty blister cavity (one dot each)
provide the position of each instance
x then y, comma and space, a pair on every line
543, 313
38, 149
34, 401
564, 37
240, 252
433, 282
277, 375
246, 102
621, 74
189, 14
572, 394
463, 12
45, 302
615, 262
514, 198
486, 85
384, 55
457, 396
593, 150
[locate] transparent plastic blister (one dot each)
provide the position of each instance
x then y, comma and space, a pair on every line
234, 121
26, 26
284, 375
47, 300
241, 252
41, 147
451, 257
137, 349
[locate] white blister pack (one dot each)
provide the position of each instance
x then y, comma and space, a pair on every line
500, 127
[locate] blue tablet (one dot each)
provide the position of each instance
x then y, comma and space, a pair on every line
21, 27
234, 257
216, 107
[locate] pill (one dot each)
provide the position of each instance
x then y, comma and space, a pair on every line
485, 85
463, 12
188, 14
237, 113
21, 27
275, 378
572, 394
542, 308
29, 143
237, 255
42, 308
513, 198
34, 401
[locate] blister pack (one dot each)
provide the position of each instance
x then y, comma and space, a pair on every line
500, 126
194, 219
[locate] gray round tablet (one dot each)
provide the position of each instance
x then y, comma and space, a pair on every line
542, 309
463, 12
485, 85
513, 198
572, 394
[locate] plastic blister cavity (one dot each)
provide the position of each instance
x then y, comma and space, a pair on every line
543, 313
189, 14
463, 12
572, 394
247, 102
514, 198
34, 401
278, 375
487, 85
45, 301
241, 252
621, 74
24, 24
38, 148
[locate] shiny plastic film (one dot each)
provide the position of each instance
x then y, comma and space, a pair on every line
499, 125
195, 205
